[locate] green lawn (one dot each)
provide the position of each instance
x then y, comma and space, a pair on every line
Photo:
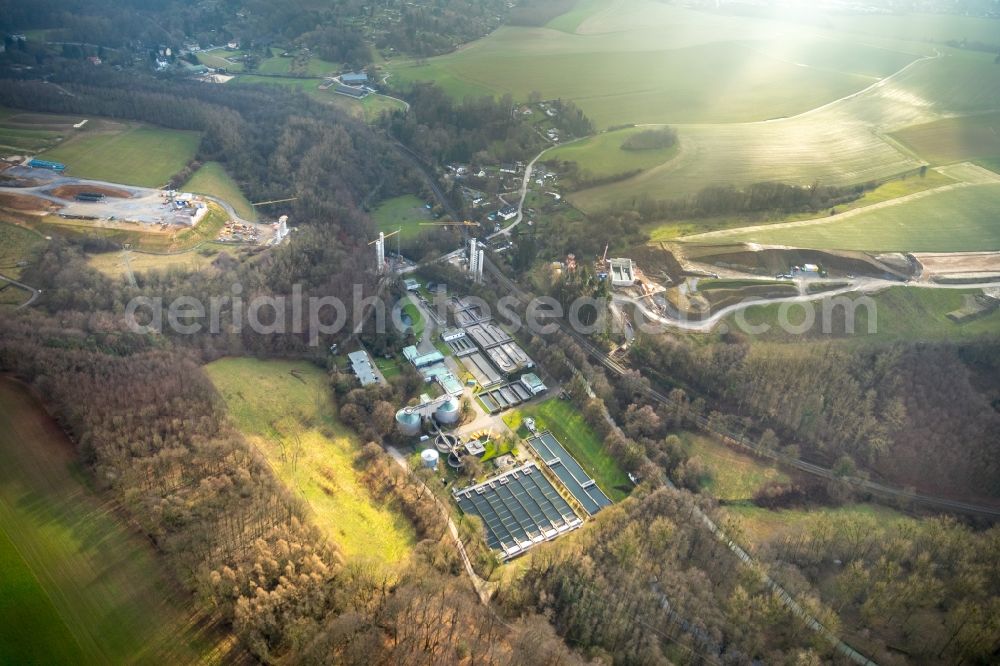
413, 312
900, 313
954, 221
368, 109
406, 213
146, 156
213, 179
602, 155
16, 244
290, 419
733, 475
567, 424
78, 585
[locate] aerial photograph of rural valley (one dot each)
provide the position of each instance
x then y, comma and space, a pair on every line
500, 332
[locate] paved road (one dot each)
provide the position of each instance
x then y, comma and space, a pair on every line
34, 292
856, 285
483, 588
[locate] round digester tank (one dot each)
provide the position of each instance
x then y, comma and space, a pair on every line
408, 422
430, 458
447, 412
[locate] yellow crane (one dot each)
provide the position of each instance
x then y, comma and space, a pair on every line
274, 201
466, 223
386, 236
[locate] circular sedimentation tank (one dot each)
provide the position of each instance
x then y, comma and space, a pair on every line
445, 443
408, 422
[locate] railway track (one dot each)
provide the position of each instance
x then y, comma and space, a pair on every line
875, 488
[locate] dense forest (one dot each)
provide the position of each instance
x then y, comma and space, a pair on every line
915, 414
341, 31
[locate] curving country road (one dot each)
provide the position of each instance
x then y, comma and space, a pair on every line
34, 292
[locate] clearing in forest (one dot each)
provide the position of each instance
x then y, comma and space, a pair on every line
284, 408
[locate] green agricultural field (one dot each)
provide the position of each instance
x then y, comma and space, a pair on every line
567, 424
956, 220
23, 132
138, 155
916, 314
212, 178
955, 139
891, 189
78, 585
406, 213
16, 244
602, 156
640, 61
732, 475
284, 408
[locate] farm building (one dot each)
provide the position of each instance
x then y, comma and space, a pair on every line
350, 91
354, 78
519, 509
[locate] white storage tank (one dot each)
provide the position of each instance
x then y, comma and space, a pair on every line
408, 422
430, 458
448, 412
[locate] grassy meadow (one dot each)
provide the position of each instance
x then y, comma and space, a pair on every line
602, 155
890, 189
134, 155
285, 410
79, 586
956, 220
112, 264
213, 179
567, 424
28, 132
756, 526
899, 313
406, 212
732, 475
368, 109
16, 244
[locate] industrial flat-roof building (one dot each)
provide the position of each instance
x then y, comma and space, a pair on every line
569, 471
519, 509
622, 272
363, 367
487, 334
